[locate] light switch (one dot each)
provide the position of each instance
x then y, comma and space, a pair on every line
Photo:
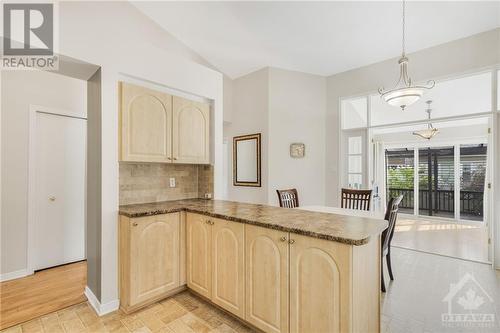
172, 182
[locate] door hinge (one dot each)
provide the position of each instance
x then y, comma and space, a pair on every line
489, 130
489, 241
489, 185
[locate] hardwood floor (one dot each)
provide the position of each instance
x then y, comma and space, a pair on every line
414, 302
41, 293
465, 241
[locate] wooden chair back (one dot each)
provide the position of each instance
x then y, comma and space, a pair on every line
288, 198
391, 215
356, 199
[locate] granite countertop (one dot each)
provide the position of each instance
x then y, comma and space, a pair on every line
340, 228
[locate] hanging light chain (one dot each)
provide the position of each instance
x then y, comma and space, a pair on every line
404, 28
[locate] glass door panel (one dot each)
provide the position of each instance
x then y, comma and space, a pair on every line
400, 174
436, 179
472, 181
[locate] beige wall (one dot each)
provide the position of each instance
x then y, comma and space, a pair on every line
19, 90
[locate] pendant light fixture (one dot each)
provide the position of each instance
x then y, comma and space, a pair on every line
404, 93
430, 131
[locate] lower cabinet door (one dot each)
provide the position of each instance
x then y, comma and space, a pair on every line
319, 285
154, 256
199, 249
266, 256
228, 267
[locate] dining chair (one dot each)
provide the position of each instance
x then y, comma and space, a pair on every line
288, 198
391, 216
356, 199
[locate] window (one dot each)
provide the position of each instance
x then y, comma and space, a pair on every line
400, 177
462, 96
472, 181
354, 113
355, 162
436, 171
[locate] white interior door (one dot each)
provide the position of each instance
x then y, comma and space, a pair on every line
59, 179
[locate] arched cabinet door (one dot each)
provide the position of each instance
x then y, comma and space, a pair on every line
228, 280
154, 237
191, 131
145, 124
319, 285
266, 256
199, 245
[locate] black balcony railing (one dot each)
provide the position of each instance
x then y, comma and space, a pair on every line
442, 201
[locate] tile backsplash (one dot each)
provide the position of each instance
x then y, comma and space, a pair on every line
149, 182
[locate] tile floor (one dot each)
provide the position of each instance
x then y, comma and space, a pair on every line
458, 240
414, 302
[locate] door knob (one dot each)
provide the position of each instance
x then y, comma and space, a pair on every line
52, 198
291, 241
283, 239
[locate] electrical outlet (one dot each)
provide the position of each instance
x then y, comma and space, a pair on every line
172, 182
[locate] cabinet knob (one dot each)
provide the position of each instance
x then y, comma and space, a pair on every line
291, 241
175, 158
52, 198
283, 239
169, 158
134, 224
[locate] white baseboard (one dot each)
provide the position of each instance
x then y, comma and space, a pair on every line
101, 309
15, 275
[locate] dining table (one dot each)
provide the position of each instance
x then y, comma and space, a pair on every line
374, 214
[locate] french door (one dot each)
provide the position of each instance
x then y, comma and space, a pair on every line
439, 181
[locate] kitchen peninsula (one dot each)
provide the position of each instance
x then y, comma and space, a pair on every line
277, 269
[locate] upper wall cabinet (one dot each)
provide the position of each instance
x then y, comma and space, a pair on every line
146, 124
158, 127
191, 139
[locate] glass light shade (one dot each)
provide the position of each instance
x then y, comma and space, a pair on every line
427, 133
403, 97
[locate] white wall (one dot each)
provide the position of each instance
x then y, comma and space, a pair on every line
467, 55
120, 39
286, 107
249, 116
297, 109
457, 57
19, 90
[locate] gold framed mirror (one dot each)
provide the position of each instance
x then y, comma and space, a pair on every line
246, 160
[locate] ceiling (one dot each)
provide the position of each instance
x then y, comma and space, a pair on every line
315, 37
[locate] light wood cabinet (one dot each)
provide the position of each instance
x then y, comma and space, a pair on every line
191, 131
144, 280
319, 285
158, 127
199, 257
216, 261
228, 268
146, 124
266, 254
279, 282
